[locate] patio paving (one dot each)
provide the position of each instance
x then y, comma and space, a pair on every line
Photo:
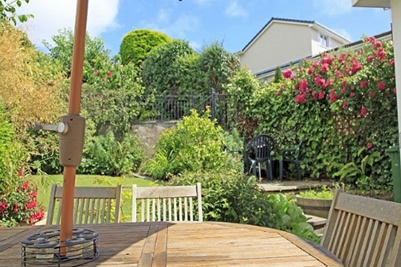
276, 186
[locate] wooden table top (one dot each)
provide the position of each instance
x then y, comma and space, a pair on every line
184, 244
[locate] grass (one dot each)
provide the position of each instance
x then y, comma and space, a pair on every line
44, 184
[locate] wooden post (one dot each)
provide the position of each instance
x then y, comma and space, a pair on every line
74, 108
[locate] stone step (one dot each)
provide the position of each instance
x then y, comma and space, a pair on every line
317, 223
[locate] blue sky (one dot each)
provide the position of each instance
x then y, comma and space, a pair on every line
200, 22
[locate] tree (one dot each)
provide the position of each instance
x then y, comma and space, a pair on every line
137, 44
96, 55
161, 67
219, 66
278, 76
8, 10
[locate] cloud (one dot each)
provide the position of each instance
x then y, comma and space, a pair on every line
235, 10
174, 28
333, 8
50, 16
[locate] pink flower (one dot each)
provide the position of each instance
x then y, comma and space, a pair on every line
380, 54
371, 94
369, 145
363, 83
277, 93
321, 94
314, 95
352, 94
96, 72
381, 86
327, 60
287, 73
303, 84
15, 208
363, 111
325, 67
333, 96
345, 104
395, 90
301, 98
391, 61
370, 59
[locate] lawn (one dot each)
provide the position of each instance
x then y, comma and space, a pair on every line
44, 184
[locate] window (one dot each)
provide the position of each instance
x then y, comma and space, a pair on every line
323, 40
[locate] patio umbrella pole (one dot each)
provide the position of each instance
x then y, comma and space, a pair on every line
74, 139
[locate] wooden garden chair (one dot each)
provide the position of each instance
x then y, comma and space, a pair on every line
363, 231
166, 203
92, 205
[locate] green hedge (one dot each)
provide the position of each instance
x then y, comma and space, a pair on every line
343, 103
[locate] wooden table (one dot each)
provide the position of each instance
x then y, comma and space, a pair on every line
185, 244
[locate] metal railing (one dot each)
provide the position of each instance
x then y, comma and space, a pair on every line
174, 107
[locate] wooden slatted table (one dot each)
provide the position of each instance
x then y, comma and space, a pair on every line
185, 244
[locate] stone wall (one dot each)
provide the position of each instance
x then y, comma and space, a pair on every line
149, 132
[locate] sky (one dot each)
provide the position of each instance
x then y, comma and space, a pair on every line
233, 23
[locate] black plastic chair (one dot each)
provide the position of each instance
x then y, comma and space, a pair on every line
291, 155
258, 152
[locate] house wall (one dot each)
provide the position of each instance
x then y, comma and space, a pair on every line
279, 43
396, 22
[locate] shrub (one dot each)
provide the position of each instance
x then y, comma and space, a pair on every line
161, 69
343, 103
20, 205
228, 196
137, 44
196, 144
107, 156
12, 155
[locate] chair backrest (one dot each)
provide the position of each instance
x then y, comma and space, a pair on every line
92, 205
363, 231
261, 147
166, 203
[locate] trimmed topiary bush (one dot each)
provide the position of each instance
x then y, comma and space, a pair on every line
137, 44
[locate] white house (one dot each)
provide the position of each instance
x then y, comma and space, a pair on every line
284, 40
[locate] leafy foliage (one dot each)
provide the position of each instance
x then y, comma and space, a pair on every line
218, 65
12, 155
112, 97
196, 144
20, 205
341, 102
137, 44
161, 67
8, 10
228, 196
95, 52
107, 156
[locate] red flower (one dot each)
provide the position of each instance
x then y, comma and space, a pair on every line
314, 95
381, 86
277, 93
352, 94
363, 83
363, 111
96, 72
109, 73
391, 61
369, 145
395, 90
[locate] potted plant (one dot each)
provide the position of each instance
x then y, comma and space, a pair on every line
314, 202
